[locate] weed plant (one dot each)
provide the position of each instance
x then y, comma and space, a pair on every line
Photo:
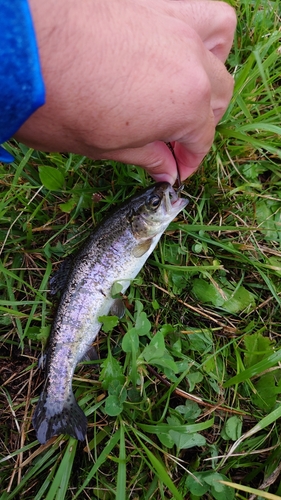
184, 401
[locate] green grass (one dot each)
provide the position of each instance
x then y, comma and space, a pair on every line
204, 407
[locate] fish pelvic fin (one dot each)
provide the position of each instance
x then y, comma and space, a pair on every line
49, 422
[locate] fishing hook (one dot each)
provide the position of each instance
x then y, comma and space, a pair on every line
178, 185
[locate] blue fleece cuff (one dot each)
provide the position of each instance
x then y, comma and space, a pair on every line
22, 88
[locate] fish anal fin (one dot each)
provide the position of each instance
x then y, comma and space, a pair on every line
48, 421
142, 248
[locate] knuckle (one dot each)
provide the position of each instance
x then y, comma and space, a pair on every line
202, 89
229, 20
229, 16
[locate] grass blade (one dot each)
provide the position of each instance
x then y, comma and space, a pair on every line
247, 489
121, 474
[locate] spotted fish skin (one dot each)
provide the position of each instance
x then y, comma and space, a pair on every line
115, 252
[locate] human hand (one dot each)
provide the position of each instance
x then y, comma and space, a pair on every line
123, 77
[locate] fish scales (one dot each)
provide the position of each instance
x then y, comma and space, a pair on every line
75, 327
115, 252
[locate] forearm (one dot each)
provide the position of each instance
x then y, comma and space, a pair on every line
123, 77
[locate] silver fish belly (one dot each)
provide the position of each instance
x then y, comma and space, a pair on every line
115, 252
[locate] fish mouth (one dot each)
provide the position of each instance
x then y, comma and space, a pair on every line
172, 200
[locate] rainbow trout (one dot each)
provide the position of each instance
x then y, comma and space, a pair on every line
115, 252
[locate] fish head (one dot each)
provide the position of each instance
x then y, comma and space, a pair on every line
158, 206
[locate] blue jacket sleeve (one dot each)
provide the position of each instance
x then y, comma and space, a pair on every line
22, 88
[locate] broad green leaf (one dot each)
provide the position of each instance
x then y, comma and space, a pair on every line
196, 485
130, 341
116, 289
232, 428
214, 480
143, 325
210, 365
156, 353
111, 372
68, 205
257, 348
207, 292
39, 334
266, 395
193, 379
200, 341
200, 483
167, 329
183, 366
166, 439
177, 346
173, 420
268, 216
156, 348
117, 395
185, 441
223, 297
172, 254
166, 361
222, 495
108, 323
113, 407
51, 178
252, 171
190, 410
262, 424
117, 389
179, 281
134, 395
239, 301
155, 305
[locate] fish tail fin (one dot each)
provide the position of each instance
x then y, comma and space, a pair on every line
48, 420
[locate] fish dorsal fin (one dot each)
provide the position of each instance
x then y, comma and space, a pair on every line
142, 248
59, 279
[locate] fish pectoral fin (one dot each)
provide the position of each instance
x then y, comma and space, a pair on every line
142, 248
59, 279
69, 420
118, 308
90, 355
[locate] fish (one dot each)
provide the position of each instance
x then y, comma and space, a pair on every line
115, 252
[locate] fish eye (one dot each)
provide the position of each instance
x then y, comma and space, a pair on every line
154, 202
